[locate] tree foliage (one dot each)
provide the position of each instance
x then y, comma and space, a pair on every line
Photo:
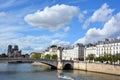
108, 58
90, 57
36, 55
48, 56
54, 57
3, 55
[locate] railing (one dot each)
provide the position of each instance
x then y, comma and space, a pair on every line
23, 59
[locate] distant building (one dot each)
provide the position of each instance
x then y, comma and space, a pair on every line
13, 52
52, 50
75, 53
103, 47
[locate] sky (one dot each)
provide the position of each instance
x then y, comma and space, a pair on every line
34, 25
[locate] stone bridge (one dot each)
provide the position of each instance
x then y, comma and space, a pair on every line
53, 63
65, 64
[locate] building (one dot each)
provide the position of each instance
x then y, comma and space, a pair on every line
75, 53
90, 50
52, 50
103, 47
13, 52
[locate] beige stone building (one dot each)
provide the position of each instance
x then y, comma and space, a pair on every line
52, 50
75, 53
103, 47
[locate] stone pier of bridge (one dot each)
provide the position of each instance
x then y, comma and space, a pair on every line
93, 67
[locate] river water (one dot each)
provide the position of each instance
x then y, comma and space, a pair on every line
28, 72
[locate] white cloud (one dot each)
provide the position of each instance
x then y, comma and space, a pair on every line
2, 14
103, 14
40, 49
16, 35
52, 18
10, 3
37, 39
60, 43
110, 29
27, 43
8, 32
9, 28
81, 17
66, 29
4, 4
85, 11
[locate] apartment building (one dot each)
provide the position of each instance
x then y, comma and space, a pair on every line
108, 46
75, 53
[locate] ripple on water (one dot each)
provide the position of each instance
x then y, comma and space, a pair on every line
29, 72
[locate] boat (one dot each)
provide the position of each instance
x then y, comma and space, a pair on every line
62, 76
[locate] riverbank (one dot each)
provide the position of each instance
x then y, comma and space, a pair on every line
99, 68
93, 67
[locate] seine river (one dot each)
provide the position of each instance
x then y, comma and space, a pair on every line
28, 72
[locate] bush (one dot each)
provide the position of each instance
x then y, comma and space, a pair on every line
54, 57
109, 58
36, 55
90, 57
48, 56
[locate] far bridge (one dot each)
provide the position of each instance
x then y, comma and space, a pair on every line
53, 63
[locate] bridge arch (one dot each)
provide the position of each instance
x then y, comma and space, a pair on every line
52, 66
68, 66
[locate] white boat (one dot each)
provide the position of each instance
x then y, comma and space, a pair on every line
62, 76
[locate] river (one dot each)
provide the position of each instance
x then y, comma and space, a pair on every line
28, 72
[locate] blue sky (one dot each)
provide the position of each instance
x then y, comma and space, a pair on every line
34, 25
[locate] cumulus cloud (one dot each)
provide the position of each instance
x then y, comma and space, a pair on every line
110, 29
103, 14
60, 43
52, 18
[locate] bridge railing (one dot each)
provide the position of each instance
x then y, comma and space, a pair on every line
26, 59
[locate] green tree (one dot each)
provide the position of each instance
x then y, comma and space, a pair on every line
114, 58
54, 57
118, 56
3, 55
97, 59
36, 55
22, 56
90, 57
102, 59
48, 56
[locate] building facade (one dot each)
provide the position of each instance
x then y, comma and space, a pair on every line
103, 47
75, 53
13, 51
52, 50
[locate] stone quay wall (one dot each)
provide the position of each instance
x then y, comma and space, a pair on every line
97, 67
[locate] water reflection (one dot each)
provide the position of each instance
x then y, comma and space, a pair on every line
29, 72
83, 75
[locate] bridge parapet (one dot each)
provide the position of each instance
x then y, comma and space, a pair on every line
49, 62
53, 63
